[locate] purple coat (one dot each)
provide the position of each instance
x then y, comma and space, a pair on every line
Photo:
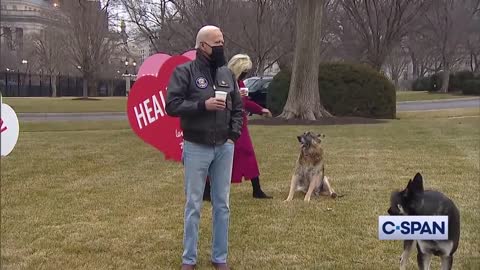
244, 160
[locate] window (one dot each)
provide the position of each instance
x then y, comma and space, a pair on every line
19, 37
14, 7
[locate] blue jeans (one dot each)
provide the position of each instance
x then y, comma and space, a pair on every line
216, 162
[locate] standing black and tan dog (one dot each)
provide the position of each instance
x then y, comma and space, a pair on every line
309, 175
415, 201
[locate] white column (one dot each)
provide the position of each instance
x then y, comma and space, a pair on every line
127, 85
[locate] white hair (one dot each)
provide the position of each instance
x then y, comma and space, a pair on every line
203, 33
239, 63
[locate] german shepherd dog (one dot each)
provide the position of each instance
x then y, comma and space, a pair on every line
416, 201
309, 175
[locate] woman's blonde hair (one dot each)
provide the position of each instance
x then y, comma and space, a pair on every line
239, 63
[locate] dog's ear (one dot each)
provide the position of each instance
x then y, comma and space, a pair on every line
417, 183
409, 184
299, 138
407, 188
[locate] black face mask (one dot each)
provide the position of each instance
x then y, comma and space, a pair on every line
217, 58
242, 76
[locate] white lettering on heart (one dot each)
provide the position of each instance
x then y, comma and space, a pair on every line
162, 98
144, 112
140, 115
148, 110
178, 134
156, 107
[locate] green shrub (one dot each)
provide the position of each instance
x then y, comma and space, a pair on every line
422, 84
436, 82
458, 79
345, 90
471, 87
356, 90
277, 92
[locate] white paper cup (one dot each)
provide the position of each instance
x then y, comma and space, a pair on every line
244, 91
221, 95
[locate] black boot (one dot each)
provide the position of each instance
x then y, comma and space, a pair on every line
206, 192
257, 190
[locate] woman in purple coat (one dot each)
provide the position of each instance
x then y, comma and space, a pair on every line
244, 161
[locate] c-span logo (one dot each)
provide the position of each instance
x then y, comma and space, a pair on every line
413, 227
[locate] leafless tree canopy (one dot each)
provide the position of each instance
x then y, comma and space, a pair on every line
89, 41
403, 38
380, 25
261, 28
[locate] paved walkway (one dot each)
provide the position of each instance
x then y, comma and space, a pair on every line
401, 107
39, 117
438, 104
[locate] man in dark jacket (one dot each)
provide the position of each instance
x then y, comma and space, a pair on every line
210, 128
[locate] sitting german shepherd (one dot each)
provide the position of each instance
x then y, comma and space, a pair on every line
416, 201
309, 175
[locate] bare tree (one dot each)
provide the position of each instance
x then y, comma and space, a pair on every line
89, 40
446, 26
396, 63
250, 26
49, 48
380, 25
156, 23
474, 54
473, 40
9, 59
254, 29
304, 98
171, 25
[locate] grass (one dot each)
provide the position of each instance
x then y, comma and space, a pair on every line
66, 105
94, 196
444, 113
424, 95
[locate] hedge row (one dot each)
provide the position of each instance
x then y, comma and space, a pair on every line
462, 81
345, 90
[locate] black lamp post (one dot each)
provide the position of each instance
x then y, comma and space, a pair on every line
129, 76
24, 62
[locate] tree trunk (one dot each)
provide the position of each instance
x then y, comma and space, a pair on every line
396, 78
54, 85
445, 80
376, 62
304, 98
415, 71
85, 86
285, 62
260, 67
111, 88
473, 62
92, 87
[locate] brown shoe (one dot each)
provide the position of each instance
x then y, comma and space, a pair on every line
221, 266
188, 267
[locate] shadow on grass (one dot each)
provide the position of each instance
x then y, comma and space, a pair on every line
86, 99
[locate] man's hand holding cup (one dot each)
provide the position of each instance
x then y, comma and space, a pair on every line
216, 103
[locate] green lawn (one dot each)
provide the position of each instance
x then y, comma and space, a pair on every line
424, 95
94, 196
66, 105
118, 104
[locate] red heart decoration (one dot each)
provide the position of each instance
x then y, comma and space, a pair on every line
147, 115
152, 65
